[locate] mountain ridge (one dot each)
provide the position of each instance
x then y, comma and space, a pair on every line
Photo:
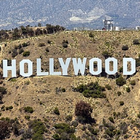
125, 13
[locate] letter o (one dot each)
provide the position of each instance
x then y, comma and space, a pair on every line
30, 68
115, 66
99, 66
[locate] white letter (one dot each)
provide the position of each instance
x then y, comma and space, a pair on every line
6, 68
51, 65
64, 66
39, 73
79, 66
133, 66
99, 66
30, 68
107, 66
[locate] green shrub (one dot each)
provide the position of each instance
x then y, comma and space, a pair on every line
63, 90
6, 119
110, 133
28, 109
26, 135
126, 136
74, 123
81, 88
108, 87
9, 108
9, 51
21, 51
37, 136
38, 129
107, 43
3, 90
64, 131
62, 126
49, 42
25, 44
128, 89
106, 54
69, 118
111, 119
93, 90
138, 115
124, 127
27, 117
121, 69
65, 43
14, 53
47, 49
13, 79
110, 130
26, 53
119, 93
46, 120
27, 82
16, 47
19, 46
114, 114
56, 111
120, 81
38, 126
136, 41
137, 62
41, 103
56, 137
91, 35
132, 82
3, 108
125, 47
121, 103
41, 44
92, 130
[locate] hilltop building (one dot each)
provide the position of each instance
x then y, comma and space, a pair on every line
137, 28
108, 25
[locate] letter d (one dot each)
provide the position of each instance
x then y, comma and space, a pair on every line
133, 66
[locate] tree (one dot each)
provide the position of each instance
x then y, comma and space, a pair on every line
39, 24
16, 34
83, 110
38, 32
24, 30
4, 129
53, 29
30, 32
3, 35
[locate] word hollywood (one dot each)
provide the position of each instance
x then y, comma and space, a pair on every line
78, 65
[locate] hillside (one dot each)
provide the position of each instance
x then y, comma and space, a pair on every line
115, 109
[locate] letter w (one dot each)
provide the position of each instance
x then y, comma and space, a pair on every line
79, 66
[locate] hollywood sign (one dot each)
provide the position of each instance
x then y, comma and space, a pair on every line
79, 65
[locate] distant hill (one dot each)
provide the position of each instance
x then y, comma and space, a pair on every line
85, 13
